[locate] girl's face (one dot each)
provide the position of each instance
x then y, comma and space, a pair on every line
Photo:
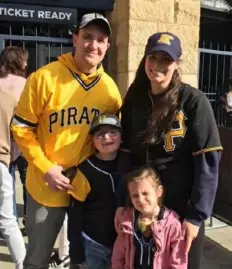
160, 68
107, 139
145, 195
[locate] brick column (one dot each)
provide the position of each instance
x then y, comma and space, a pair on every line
133, 21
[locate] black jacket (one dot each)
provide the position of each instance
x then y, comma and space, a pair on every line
187, 156
92, 208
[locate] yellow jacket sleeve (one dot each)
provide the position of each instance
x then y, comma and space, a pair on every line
28, 111
82, 187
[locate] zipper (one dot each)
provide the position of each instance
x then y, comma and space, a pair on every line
149, 256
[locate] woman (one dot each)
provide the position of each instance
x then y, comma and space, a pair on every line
13, 72
170, 125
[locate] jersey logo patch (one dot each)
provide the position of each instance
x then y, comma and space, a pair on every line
165, 39
169, 144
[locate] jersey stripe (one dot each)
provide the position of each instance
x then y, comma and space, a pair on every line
83, 84
207, 150
22, 122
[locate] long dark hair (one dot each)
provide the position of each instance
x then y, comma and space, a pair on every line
161, 118
12, 60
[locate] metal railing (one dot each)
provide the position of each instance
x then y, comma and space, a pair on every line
44, 42
215, 71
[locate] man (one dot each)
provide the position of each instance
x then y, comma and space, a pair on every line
51, 127
13, 62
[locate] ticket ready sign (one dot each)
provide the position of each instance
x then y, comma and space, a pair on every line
41, 14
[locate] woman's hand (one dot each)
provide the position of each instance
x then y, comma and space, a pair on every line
190, 232
117, 218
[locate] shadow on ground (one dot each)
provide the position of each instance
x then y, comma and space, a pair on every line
5, 257
215, 256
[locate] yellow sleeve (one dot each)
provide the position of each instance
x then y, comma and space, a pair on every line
114, 102
24, 124
81, 185
117, 99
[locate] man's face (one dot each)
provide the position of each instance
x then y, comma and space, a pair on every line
91, 44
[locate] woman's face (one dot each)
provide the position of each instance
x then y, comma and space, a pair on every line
160, 67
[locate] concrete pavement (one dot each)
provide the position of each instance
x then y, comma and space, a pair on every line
217, 250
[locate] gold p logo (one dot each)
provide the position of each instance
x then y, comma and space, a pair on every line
165, 39
169, 144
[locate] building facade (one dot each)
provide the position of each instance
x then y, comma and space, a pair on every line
133, 21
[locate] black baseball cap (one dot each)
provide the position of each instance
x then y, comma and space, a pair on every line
105, 119
164, 41
91, 17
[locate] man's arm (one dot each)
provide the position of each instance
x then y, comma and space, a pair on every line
30, 108
28, 111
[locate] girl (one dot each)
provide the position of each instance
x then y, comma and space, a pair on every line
170, 125
150, 233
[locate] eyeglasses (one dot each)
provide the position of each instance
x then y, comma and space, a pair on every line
110, 133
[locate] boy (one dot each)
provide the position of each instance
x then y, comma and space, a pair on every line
93, 203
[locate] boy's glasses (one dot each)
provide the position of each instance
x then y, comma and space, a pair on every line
110, 133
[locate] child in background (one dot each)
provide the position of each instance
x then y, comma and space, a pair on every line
150, 236
94, 202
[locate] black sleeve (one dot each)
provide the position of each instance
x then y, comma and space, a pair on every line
206, 166
121, 194
124, 167
75, 218
203, 127
126, 126
205, 144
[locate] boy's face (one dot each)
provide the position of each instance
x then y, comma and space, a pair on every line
107, 139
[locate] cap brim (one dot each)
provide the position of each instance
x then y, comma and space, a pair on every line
83, 25
95, 128
166, 49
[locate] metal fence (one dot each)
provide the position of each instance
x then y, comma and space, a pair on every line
215, 71
44, 42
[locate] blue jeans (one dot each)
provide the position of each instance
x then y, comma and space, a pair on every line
96, 256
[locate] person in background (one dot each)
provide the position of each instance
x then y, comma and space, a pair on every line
16, 84
51, 127
170, 125
151, 235
227, 104
13, 62
19, 162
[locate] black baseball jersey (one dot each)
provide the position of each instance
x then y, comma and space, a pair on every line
194, 132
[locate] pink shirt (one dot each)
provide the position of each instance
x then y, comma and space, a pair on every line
167, 236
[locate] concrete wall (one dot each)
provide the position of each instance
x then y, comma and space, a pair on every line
133, 21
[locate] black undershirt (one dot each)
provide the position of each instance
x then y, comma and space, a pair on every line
145, 247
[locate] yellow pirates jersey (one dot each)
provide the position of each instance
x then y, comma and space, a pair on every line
53, 119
